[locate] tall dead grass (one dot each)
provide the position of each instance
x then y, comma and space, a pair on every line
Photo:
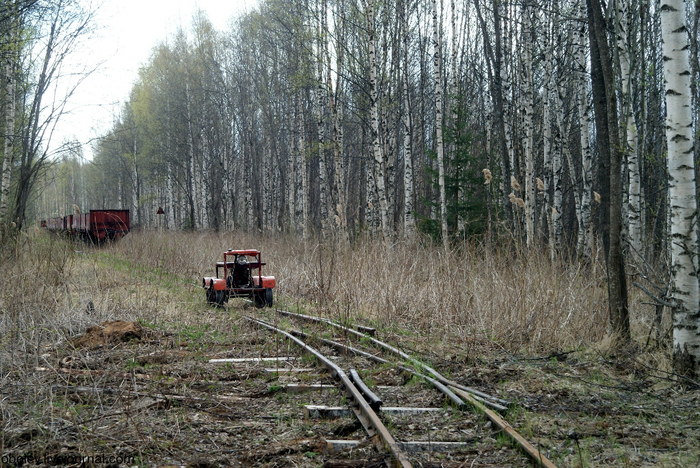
470, 295
520, 303
50, 290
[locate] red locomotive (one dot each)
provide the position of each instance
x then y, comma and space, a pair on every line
242, 277
96, 226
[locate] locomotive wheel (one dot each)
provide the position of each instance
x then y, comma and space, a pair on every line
258, 299
263, 298
211, 296
220, 297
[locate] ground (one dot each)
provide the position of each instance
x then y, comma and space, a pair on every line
130, 384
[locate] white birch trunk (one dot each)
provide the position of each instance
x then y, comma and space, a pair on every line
584, 109
439, 147
320, 99
302, 197
339, 169
409, 224
547, 150
508, 131
135, 193
246, 174
192, 163
370, 198
226, 188
204, 180
120, 199
267, 197
633, 205
679, 137
527, 124
290, 184
454, 99
8, 150
340, 224
170, 209
557, 169
377, 149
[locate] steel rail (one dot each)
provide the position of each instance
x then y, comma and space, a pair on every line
364, 412
535, 454
440, 386
454, 393
343, 347
374, 401
436, 374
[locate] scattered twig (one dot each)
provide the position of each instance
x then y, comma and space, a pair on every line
653, 297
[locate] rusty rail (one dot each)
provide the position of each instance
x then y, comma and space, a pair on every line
374, 401
364, 412
519, 440
500, 404
452, 389
437, 384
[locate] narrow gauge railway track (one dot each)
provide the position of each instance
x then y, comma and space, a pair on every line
388, 411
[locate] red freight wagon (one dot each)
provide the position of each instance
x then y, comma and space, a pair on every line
107, 224
95, 226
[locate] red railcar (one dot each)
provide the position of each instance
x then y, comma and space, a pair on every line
95, 226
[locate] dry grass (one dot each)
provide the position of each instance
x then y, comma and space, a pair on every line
522, 303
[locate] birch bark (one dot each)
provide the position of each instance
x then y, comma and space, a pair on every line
171, 201
320, 104
584, 111
547, 146
527, 123
377, 150
409, 225
439, 147
8, 150
679, 137
633, 204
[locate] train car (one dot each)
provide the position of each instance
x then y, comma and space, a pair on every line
96, 226
106, 224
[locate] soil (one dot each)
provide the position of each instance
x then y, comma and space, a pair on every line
108, 332
130, 393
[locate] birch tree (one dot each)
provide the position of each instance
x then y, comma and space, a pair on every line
527, 36
629, 126
679, 138
439, 146
378, 168
409, 221
584, 112
10, 66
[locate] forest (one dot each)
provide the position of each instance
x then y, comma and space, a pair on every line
555, 126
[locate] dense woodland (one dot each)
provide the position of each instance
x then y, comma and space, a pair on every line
543, 122
320, 116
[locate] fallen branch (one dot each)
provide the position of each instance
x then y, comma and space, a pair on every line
654, 298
